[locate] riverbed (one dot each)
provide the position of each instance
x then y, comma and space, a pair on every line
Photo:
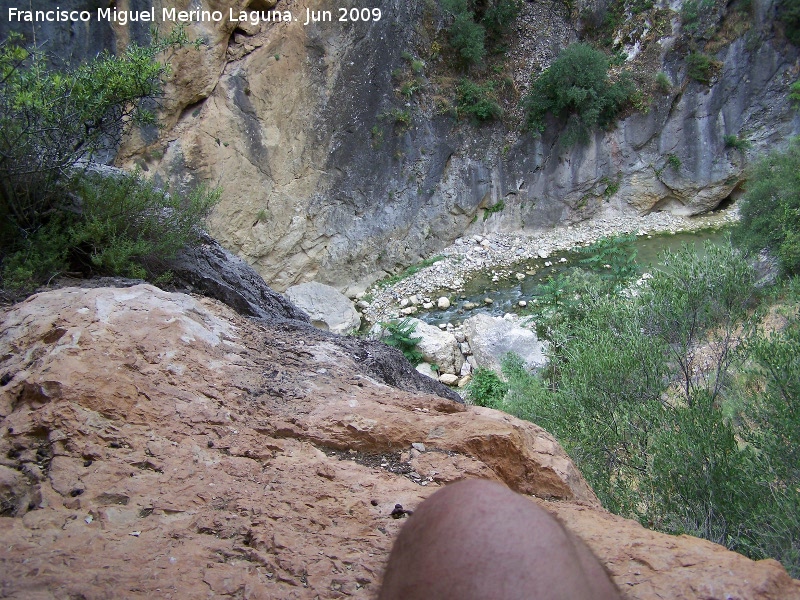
494, 259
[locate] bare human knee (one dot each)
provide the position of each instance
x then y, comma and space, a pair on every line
478, 539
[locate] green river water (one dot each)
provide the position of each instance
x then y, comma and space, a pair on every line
508, 291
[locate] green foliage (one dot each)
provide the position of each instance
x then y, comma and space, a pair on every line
788, 12
52, 121
634, 393
479, 101
662, 82
701, 67
126, 227
698, 19
770, 208
674, 162
477, 24
400, 336
570, 296
494, 208
794, 94
735, 142
486, 388
466, 36
498, 16
577, 88
399, 116
775, 419
614, 257
52, 124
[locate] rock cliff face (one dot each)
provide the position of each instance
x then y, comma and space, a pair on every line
321, 184
154, 444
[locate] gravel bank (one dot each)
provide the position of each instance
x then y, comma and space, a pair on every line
469, 256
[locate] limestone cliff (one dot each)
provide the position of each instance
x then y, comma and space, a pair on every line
319, 185
322, 183
158, 445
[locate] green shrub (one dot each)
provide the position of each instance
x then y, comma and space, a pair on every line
794, 94
639, 408
486, 388
477, 100
466, 36
130, 227
701, 67
494, 208
662, 82
788, 12
770, 208
577, 88
400, 337
51, 121
126, 227
735, 142
674, 162
498, 16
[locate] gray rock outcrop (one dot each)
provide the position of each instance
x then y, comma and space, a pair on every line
327, 308
210, 269
437, 347
491, 338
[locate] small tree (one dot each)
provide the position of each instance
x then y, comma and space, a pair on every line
770, 209
577, 88
50, 121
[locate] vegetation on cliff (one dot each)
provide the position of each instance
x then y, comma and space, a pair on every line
678, 395
53, 124
577, 88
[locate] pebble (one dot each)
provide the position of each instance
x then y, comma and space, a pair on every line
418, 446
443, 303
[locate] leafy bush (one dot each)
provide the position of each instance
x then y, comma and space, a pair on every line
494, 208
466, 36
735, 142
477, 22
794, 94
674, 162
50, 121
477, 100
54, 218
499, 15
577, 88
789, 14
635, 392
486, 388
770, 208
400, 337
663, 82
126, 227
701, 67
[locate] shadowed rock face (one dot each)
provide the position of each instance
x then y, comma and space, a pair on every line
160, 444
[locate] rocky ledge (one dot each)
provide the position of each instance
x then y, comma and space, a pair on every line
157, 444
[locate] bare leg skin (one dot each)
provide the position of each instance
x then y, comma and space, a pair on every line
479, 540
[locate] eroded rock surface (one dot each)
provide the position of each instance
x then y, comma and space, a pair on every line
327, 308
159, 445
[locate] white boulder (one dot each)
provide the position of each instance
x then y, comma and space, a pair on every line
326, 306
491, 338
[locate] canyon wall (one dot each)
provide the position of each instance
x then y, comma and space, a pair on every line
324, 181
